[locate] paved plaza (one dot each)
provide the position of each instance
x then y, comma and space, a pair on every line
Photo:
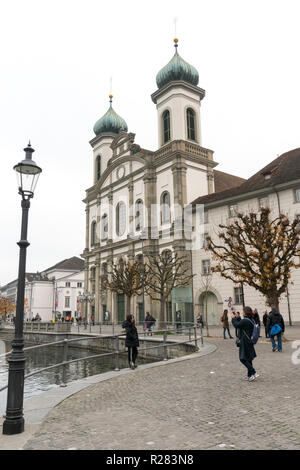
198, 403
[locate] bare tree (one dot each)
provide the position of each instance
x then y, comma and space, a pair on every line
125, 278
258, 252
206, 283
164, 272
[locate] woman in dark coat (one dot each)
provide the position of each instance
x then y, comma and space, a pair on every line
132, 340
246, 350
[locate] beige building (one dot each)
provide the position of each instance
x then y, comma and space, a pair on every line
276, 186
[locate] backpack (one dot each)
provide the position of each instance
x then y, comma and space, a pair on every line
275, 329
255, 332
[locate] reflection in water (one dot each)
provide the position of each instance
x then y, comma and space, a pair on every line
38, 358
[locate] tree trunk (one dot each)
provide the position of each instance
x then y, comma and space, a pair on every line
127, 309
206, 320
162, 319
273, 301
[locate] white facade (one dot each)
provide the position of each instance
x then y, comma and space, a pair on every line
221, 289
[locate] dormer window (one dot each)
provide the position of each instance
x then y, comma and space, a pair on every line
191, 128
166, 127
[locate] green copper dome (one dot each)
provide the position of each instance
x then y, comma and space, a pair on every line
110, 122
177, 69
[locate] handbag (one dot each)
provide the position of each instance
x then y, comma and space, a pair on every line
275, 330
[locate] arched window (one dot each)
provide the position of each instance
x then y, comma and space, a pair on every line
165, 208
139, 214
93, 233
98, 167
167, 254
166, 126
104, 227
191, 128
121, 218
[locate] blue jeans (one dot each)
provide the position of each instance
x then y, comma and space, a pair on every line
224, 330
248, 364
274, 345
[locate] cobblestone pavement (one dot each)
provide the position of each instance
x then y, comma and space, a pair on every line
201, 403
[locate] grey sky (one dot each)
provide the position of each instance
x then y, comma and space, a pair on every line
56, 61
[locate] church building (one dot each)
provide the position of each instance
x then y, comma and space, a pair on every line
137, 196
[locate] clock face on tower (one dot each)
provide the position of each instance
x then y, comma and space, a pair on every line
121, 172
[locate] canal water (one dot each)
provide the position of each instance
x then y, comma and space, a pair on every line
38, 358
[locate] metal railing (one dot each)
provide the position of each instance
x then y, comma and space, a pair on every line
65, 342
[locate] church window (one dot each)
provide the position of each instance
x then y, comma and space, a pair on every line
191, 128
165, 208
93, 233
206, 266
98, 167
166, 126
121, 218
104, 227
138, 214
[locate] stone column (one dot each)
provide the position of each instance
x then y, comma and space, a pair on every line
87, 226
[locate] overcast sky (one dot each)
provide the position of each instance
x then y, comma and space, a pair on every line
57, 58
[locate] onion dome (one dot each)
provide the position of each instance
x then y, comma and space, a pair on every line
177, 69
110, 122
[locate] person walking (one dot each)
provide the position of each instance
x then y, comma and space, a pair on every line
237, 315
199, 320
275, 327
265, 319
225, 322
247, 352
132, 340
149, 322
256, 319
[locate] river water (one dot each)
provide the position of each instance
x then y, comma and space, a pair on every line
38, 358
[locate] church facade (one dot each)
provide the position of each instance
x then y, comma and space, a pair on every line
138, 194
137, 198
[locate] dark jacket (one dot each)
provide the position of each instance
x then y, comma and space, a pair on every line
245, 329
275, 318
150, 320
265, 319
132, 338
256, 318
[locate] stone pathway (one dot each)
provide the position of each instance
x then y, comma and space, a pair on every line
200, 403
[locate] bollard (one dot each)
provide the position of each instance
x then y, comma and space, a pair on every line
63, 384
117, 354
201, 335
196, 340
165, 346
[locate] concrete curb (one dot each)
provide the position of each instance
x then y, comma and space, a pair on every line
37, 408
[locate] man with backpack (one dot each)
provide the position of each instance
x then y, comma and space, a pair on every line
248, 333
275, 326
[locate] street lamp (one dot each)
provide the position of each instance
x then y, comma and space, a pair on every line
86, 297
27, 175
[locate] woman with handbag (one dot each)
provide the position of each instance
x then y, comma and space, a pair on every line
247, 352
275, 326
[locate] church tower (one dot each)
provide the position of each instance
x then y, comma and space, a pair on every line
178, 100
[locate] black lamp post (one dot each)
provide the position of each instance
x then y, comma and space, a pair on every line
27, 174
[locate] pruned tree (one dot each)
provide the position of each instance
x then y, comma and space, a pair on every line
125, 278
258, 251
164, 272
7, 305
